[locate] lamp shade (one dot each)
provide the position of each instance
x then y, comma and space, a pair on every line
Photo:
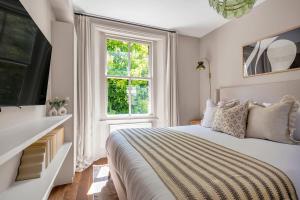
232, 8
200, 66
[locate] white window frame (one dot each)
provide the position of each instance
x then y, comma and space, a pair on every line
150, 79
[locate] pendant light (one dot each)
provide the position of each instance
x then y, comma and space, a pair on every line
232, 8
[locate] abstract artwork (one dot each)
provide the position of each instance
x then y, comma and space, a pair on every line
273, 54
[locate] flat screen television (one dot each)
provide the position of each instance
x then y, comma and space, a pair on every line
25, 55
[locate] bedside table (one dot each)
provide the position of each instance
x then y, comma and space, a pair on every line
195, 122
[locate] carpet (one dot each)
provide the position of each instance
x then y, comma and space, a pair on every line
102, 187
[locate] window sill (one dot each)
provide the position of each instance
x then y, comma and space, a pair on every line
128, 118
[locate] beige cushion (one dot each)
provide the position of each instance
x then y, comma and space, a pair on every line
297, 126
292, 116
232, 120
270, 122
211, 109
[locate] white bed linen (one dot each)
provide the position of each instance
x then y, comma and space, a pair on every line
142, 183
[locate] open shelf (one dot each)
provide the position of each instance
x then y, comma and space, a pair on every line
38, 189
15, 139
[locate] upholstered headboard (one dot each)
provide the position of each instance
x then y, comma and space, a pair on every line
267, 92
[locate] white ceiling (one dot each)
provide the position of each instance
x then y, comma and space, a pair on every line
188, 17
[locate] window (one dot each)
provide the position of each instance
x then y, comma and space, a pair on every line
128, 77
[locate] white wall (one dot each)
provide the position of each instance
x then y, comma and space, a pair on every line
188, 79
222, 47
41, 12
63, 84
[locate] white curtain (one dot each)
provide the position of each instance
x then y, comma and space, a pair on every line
86, 99
171, 100
86, 116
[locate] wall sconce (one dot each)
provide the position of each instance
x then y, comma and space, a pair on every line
203, 64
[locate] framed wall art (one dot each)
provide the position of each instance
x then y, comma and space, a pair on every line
274, 54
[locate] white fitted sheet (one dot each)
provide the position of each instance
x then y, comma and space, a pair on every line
142, 183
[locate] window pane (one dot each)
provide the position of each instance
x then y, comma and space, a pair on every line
139, 59
117, 96
117, 57
139, 97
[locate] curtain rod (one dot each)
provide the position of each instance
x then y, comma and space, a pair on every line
124, 22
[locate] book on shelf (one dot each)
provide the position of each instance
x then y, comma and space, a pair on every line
44, 143
52, 145
33, 158
23, 177
59, 132
34, 150
37, 157
32, 166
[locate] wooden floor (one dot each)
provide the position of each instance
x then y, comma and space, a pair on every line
79, 188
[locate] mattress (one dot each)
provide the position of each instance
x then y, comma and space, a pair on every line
142, 183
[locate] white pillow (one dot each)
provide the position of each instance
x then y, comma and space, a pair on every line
209, 114
266, 104
228, 103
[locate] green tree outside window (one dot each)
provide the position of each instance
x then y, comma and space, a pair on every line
128, 77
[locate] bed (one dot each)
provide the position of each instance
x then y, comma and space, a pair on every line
136, 179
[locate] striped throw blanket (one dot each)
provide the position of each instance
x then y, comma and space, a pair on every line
194, 168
